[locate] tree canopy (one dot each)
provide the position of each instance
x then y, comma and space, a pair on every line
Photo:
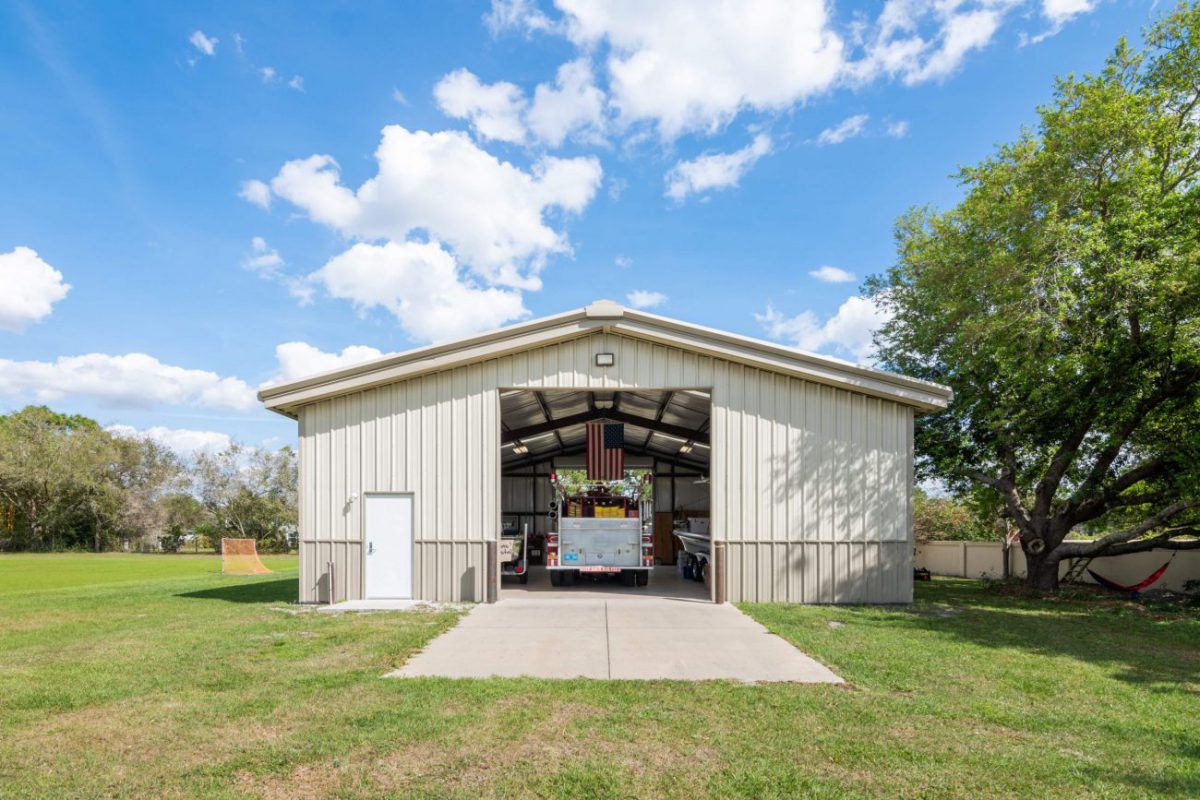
66, 483
1060, 299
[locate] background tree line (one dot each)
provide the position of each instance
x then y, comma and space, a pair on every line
68, 484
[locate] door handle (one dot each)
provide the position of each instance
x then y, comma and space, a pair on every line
370, 548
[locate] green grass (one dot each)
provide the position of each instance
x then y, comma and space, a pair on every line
195, 685
36, 572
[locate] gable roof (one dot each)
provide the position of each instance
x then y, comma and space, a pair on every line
606, 316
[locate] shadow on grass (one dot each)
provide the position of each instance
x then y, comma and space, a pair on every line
285, 590
1161, 654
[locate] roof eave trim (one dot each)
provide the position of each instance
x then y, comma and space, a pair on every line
372, 374
925, 397
922, 395
333, 376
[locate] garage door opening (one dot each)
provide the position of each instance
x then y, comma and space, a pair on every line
624, 516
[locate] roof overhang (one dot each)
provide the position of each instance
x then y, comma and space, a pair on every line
606, 316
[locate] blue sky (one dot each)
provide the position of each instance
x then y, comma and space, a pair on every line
201, 198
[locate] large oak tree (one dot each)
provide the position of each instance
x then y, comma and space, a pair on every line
1061, 301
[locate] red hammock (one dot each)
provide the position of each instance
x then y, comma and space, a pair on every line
1133, 587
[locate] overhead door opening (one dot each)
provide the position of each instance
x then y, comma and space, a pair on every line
605, 492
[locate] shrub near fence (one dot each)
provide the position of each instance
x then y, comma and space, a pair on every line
986, 560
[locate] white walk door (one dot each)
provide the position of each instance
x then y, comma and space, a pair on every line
389, 534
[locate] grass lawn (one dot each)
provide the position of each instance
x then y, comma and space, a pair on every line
189, 684
36, 572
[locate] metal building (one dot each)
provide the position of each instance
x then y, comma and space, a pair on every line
806, 460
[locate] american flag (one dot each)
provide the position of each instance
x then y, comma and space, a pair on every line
605, 451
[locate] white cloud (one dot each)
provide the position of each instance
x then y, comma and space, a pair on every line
494, 110
263, 258
300, 359
1059, 11
399, 97
265, 261
182, 441
422, 286
572, 105
922, 40
522, 15
848, 128
134, 380
898, 129
624, 262
268, 74
203, 43
29, 288
690, 66
490, 212
256, 192
961, 34
714, 170
833, 275
848, 332
643, 299
297, 83
693, 65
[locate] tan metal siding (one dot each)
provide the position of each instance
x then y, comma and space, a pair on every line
812, 490
810, 484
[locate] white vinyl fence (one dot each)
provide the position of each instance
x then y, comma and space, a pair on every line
986, 560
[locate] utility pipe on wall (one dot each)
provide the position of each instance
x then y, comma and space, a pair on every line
718, 572
492, 587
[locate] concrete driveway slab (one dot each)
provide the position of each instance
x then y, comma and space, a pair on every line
689, 616
725, 654
620, 639
482, 652
536, 614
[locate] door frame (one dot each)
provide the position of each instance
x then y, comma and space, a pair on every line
412, 544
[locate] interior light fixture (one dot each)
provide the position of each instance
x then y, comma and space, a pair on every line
520, 449
686, 448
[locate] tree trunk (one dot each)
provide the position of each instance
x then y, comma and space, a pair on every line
98, 532
1042, 571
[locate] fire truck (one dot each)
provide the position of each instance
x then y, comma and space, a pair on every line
601, 528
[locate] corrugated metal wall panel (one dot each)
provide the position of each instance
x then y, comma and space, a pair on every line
796, 467
821, 572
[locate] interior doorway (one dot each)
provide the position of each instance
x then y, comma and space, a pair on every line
664, 437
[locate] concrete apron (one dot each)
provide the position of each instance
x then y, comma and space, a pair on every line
617, 639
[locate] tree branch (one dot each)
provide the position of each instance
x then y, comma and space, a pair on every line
1165, 541
1111, 498
1007, 489
1048, 486
1167, 389
1105, 543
